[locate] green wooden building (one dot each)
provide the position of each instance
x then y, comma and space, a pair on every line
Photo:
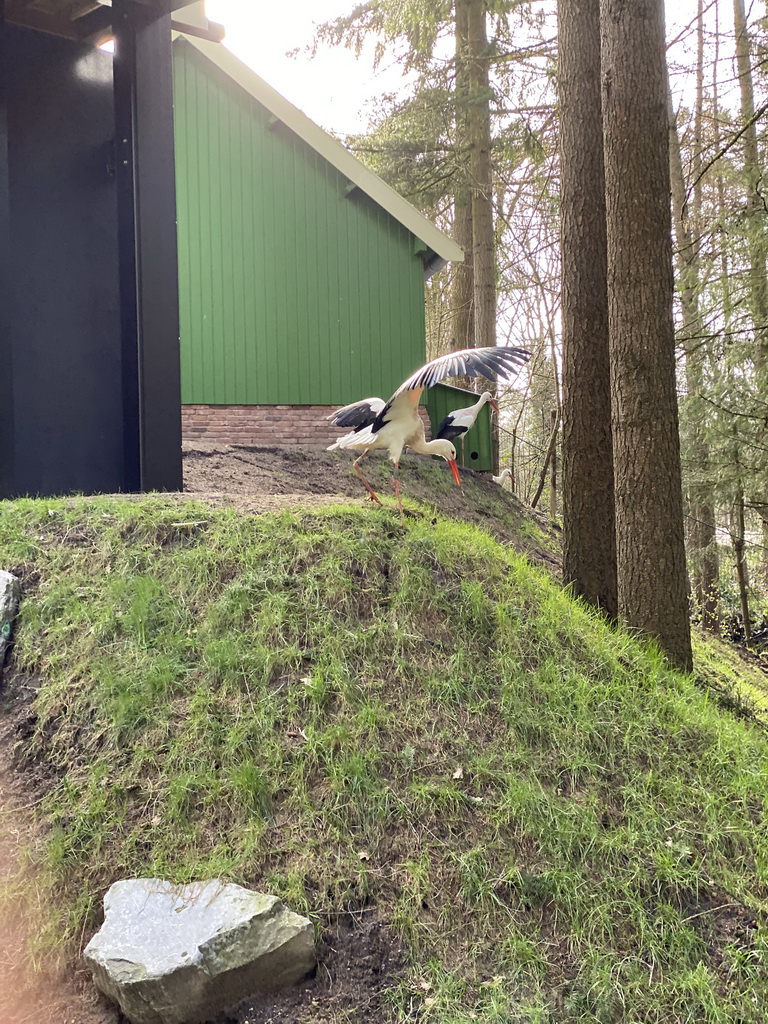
301, 273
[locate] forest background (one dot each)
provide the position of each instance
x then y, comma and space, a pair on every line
474, 144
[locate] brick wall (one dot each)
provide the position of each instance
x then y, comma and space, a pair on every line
264, 424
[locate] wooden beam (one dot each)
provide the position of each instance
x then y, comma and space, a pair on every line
7, 442
17, 13
96, 26
164, 5
214, 32
84, 8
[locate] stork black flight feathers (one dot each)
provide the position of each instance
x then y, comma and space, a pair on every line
396, 423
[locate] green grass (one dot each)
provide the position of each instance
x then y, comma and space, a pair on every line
351, 710
742, 683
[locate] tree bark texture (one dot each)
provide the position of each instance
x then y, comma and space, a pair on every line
551, 454
742, 574
756, 220
589, 541
652, 585
462, 299
753, 172
553, 470
481, 175
481, 186
705, 569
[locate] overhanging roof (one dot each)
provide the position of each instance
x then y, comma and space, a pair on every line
440, 248
87, 20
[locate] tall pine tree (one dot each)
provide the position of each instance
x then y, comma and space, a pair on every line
652, 585
589, 542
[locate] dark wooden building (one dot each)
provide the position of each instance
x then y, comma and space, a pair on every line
89, 336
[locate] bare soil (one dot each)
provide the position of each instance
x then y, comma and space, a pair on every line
262, 479
359, 960
358, 963
53, 993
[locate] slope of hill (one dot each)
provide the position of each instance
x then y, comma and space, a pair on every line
494, 806
260, 479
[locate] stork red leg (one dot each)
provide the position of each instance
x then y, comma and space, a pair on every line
371, 492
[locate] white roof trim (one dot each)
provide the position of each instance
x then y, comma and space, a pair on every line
334, 153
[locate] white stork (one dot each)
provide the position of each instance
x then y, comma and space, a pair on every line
505, 474
394, 424
457, 423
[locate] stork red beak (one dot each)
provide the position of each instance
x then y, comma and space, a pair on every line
493, 403
455, 471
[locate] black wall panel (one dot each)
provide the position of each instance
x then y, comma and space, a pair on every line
7, 459
62, 310
89, 340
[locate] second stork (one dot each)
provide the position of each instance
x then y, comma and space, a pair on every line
460, 421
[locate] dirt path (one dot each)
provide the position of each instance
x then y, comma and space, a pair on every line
28, 996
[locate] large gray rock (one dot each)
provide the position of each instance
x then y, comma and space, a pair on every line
172, 954
10, 594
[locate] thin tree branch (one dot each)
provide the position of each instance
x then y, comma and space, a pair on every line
729, 145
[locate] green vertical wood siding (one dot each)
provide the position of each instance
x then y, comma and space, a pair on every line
290, 291
478, 443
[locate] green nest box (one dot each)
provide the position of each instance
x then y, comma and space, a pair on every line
478, 442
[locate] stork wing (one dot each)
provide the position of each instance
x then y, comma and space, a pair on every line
468, 362
448, 430
359, 415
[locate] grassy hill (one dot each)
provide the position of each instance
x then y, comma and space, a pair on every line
395, 724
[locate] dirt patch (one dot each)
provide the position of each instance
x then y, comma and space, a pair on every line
358, 958
359, 961
50, 994
261, 479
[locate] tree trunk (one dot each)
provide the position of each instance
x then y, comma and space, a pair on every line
589, 542
481, 181
481, 176
756, 221
553, 470
463, 278
551, 449
702, 536
725, 281
753, 172
652, 585
742, 574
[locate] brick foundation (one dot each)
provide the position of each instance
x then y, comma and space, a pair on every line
264, 424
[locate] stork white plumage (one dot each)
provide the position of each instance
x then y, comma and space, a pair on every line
394, 424
505, 474
460, 421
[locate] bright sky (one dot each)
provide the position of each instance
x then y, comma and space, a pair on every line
335, 87
331, 88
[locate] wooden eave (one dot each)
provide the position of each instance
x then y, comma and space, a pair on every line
91, 20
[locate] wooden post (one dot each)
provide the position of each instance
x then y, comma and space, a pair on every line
146, 203
60, 365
